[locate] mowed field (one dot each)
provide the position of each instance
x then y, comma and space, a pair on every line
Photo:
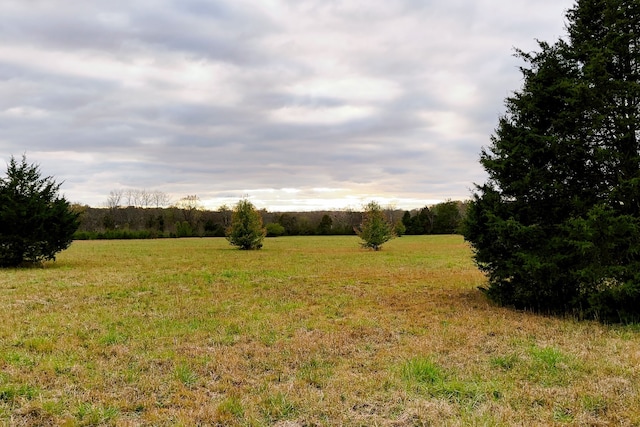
307, 331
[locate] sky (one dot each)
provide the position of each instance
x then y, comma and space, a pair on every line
296, 104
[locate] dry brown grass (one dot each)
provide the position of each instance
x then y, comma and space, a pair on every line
307, 331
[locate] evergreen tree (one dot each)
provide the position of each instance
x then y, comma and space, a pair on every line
399, 229
375, 230
446, 217
246, 230
325, 225
35, 223
423, 221
407, 222
557, 226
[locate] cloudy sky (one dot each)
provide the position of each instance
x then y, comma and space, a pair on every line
297, 104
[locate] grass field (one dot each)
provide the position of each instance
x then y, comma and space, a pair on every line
307, 331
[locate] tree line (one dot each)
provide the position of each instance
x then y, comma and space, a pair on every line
36, 222
187, 218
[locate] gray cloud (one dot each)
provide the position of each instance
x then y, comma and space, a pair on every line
295, 103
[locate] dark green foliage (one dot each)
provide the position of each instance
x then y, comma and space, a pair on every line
446, 218
406, 221
183, 229
109, 222
118, 235
296, 224
421, 223
443, 218
117, 222
212, 229
154, 223
290, 224
557, 226
375, 229
274, 229
246, 231
35, 223
326, 223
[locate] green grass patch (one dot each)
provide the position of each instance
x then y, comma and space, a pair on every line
230, 410
315, 372
16, 358
12, 393
277, 407
423, 376
91, 415
422, 372
187, 376
505, 363
550, 366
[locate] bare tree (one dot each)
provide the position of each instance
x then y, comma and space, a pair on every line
144, 198
115, 199
190, 207
226, 215
137, 198
160, 199
390, 213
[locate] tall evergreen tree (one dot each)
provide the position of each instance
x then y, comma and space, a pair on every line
35, 223
557, 225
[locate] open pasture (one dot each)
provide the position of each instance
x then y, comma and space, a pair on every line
307, 331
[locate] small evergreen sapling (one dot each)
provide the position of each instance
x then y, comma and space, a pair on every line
375, 230
246, 230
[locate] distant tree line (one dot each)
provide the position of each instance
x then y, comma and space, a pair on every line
443, 218
136, 214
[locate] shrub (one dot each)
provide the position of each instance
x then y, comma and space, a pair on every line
35, 223
274, 229
183, 229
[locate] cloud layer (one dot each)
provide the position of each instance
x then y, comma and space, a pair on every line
298, 104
